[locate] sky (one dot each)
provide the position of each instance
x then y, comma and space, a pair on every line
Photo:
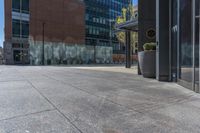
135, 2
2, 20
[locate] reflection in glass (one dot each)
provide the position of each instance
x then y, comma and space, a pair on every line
197, 42
174, 33
186, 40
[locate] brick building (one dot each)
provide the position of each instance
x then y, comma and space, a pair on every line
29, 23
1, 55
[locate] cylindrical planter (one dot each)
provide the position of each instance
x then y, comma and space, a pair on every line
147, 63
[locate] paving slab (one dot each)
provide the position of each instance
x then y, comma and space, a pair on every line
88, 112
20, 98
63, 99
183, 117
43, 122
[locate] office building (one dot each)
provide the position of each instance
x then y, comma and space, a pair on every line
100, 19
1, 55
176, 23
31, 24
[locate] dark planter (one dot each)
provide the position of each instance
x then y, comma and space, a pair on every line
147, 63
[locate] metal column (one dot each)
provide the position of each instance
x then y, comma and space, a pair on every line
128, 49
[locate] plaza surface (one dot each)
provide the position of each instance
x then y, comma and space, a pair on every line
111, 99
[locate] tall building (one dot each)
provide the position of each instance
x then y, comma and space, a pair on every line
176, 23
29, 23
100, 18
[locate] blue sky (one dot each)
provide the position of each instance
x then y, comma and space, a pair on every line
135, 2
2, 20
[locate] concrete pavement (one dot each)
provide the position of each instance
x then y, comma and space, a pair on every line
93, 100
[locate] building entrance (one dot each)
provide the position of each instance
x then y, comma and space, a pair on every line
196, 20
20, 56
185, 41
185, 47
174, 40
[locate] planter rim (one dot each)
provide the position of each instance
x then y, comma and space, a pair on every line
147, 51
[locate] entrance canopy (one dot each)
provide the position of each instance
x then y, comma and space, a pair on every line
131, 25
128, 26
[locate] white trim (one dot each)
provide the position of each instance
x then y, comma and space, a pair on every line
20, 16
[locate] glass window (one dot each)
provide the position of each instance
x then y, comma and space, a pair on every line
16, 5
25, 29
16, 45
20, 28
16, 28
25, 6
20, 6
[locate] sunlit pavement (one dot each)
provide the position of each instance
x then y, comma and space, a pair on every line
54, 99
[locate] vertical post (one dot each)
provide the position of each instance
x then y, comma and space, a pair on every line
43, 24
199, 51
110, 32
162, 39
128, 49
95, 50
147, 19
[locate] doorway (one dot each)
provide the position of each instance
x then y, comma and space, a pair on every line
185, 46
174, 40
196, 43
20, 56
185, 41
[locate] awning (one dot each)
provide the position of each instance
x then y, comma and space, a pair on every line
131, 25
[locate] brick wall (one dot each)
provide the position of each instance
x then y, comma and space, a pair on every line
64, 21
8, 19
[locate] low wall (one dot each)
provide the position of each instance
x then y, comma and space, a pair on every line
121, 58
1, 61
61, 53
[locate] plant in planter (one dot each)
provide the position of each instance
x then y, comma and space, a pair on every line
147, 60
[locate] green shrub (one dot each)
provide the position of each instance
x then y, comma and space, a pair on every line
149, 46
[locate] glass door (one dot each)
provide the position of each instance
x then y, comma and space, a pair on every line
185, 46
185, 43
21, 56
196, 44
174, 39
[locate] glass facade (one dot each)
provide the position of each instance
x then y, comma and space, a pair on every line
197, 43
16, 5
100, 18
20, 27
174, 32
20, 30
25, 6
16, 28
20, 6
185, 46
185, 42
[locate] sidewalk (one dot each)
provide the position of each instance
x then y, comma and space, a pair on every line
93, 100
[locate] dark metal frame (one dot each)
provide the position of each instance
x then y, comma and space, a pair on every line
180, 81
128, 27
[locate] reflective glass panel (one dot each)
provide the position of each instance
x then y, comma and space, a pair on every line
186, 47
197, 18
